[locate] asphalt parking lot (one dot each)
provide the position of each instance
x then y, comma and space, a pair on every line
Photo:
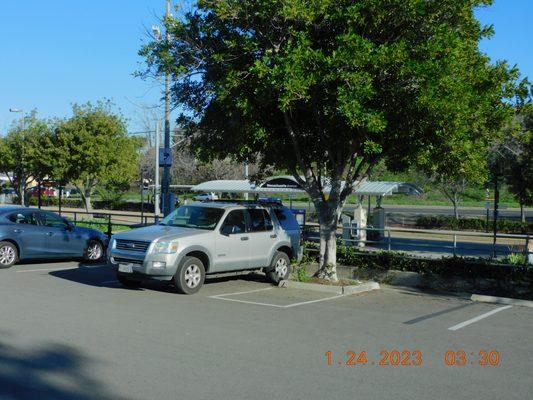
70, 331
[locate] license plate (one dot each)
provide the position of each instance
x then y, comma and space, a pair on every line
125, 268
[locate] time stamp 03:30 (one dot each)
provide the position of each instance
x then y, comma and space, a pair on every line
413, 358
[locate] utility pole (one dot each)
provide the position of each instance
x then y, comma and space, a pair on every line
22, 179
496, 204
157, 211
246, 176
165, 185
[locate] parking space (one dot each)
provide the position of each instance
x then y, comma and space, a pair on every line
70, 329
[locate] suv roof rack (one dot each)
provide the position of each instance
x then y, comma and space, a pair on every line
260, 202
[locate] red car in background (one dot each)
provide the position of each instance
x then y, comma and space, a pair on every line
45, 192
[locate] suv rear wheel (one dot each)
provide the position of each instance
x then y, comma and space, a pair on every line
190, 275
280, 268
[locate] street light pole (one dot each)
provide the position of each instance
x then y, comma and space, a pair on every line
157, 211
165, 184
22, 185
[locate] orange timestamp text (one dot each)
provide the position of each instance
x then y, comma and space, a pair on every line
413, 358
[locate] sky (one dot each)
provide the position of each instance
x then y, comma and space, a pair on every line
57, 52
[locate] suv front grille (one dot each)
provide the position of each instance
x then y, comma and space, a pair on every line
132, 245
119, 260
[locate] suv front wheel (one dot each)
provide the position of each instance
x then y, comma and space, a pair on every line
190, 275
280, 268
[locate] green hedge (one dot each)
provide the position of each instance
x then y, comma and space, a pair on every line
97, 205
446, 266
473, 224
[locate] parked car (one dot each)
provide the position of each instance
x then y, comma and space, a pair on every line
9, 191
45, 192
205, 197
208, 238
28, 233
67, 192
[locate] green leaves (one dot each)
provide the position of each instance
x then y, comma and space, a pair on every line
312, 85
96, 147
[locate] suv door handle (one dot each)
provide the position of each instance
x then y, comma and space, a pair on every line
18, 230
273, 236
244, 238
49, 233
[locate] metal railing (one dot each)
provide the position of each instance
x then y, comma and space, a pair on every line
466, 243
108, 220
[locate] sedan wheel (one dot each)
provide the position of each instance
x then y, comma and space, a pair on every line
8, 254
95, 251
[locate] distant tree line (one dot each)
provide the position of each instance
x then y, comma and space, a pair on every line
88, 150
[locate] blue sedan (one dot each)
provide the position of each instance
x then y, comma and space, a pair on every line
28, 233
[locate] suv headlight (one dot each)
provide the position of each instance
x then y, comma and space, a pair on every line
165, 247
112, 243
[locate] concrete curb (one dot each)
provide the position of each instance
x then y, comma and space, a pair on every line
351, 289
501, 300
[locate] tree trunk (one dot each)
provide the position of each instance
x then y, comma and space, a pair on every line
40, 195
328, 245
22, 192
455, 207
85, 191
522, 213
87, 199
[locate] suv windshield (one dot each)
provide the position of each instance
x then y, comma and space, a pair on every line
194, 217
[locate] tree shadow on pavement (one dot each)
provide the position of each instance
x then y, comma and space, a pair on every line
53, 371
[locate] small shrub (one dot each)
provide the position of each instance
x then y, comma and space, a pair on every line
515, 259
469, 268
301, 274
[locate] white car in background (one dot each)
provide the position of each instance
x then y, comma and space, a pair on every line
205, 197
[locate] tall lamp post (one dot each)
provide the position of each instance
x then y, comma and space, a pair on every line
23, 125
166, 158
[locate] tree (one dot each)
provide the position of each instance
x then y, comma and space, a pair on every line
326, 89
98, 149
22, 152
517, 149
463, 165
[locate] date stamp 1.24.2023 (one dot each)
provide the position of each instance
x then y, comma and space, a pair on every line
413, 358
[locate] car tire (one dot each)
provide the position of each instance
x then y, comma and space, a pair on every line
190, 275
94, 251
128, 282
280, 268
9, 255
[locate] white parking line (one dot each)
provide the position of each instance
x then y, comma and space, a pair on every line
247, 302
236, 293
224, 296
478, 318
315, 301
46, 269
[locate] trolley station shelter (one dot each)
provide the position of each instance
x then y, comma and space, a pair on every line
288, 185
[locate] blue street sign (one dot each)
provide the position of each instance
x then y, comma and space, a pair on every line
165, 157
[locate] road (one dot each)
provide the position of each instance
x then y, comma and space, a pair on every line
70, 331
437, 210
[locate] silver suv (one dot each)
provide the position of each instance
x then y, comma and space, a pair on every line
208, 238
